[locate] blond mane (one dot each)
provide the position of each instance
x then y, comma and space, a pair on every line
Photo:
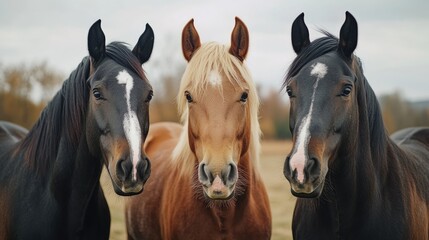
213, 56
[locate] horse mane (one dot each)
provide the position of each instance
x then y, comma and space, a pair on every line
196, 79
373, 141
64, 116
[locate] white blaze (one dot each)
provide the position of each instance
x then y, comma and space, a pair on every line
214, 78
299, 157
319, 70
131, 122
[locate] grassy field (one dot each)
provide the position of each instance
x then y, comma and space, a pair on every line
282, 202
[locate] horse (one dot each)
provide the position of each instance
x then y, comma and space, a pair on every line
351, 180
208, 184
49, 179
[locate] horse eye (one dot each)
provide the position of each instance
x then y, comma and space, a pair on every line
243, 97
289, 91
346, 91
188, 97
149, 96
96, 94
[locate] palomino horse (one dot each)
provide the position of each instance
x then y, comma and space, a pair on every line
352, 180
49, 179
207, 184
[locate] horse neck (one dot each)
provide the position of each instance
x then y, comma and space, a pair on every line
84, 182
74, 167
74, 182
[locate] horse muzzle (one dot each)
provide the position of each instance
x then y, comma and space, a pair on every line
307, 181
129, 179
218, 185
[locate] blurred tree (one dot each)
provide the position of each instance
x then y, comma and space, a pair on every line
166, 69
47, 79
399, 113
274, 114
164, 106
24, 91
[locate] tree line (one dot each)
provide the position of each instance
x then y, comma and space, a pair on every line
26, 89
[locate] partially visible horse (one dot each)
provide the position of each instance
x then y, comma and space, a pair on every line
352, 180
206, 176
49, 179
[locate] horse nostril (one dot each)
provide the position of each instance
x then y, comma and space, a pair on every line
286, 167
123, 169
311, 164
312, 168
204, 175
143, 165
144, 169
294, 175
230, 174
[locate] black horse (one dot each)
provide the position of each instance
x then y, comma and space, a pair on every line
49, 179
352, 180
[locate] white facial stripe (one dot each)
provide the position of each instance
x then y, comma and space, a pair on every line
297, 160
214, 78
131, 122
299, 157
319, 70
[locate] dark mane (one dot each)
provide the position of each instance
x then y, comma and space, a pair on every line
372, 136
121, 54
317, 48
62, 117
62, 120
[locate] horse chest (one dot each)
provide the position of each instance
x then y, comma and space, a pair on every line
217, 224
200, 223
329, 221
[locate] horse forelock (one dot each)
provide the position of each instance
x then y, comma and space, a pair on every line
122, 55
317, 48
210, 58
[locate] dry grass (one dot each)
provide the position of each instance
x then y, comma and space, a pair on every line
282, 202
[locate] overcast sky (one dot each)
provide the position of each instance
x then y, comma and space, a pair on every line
393, 35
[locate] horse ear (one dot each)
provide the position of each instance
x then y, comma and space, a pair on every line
96, 42
144, 46
300, 36
239, 40
348, 36
190, 40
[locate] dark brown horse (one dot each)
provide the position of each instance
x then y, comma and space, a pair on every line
49, 177
206, 182
352, 181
